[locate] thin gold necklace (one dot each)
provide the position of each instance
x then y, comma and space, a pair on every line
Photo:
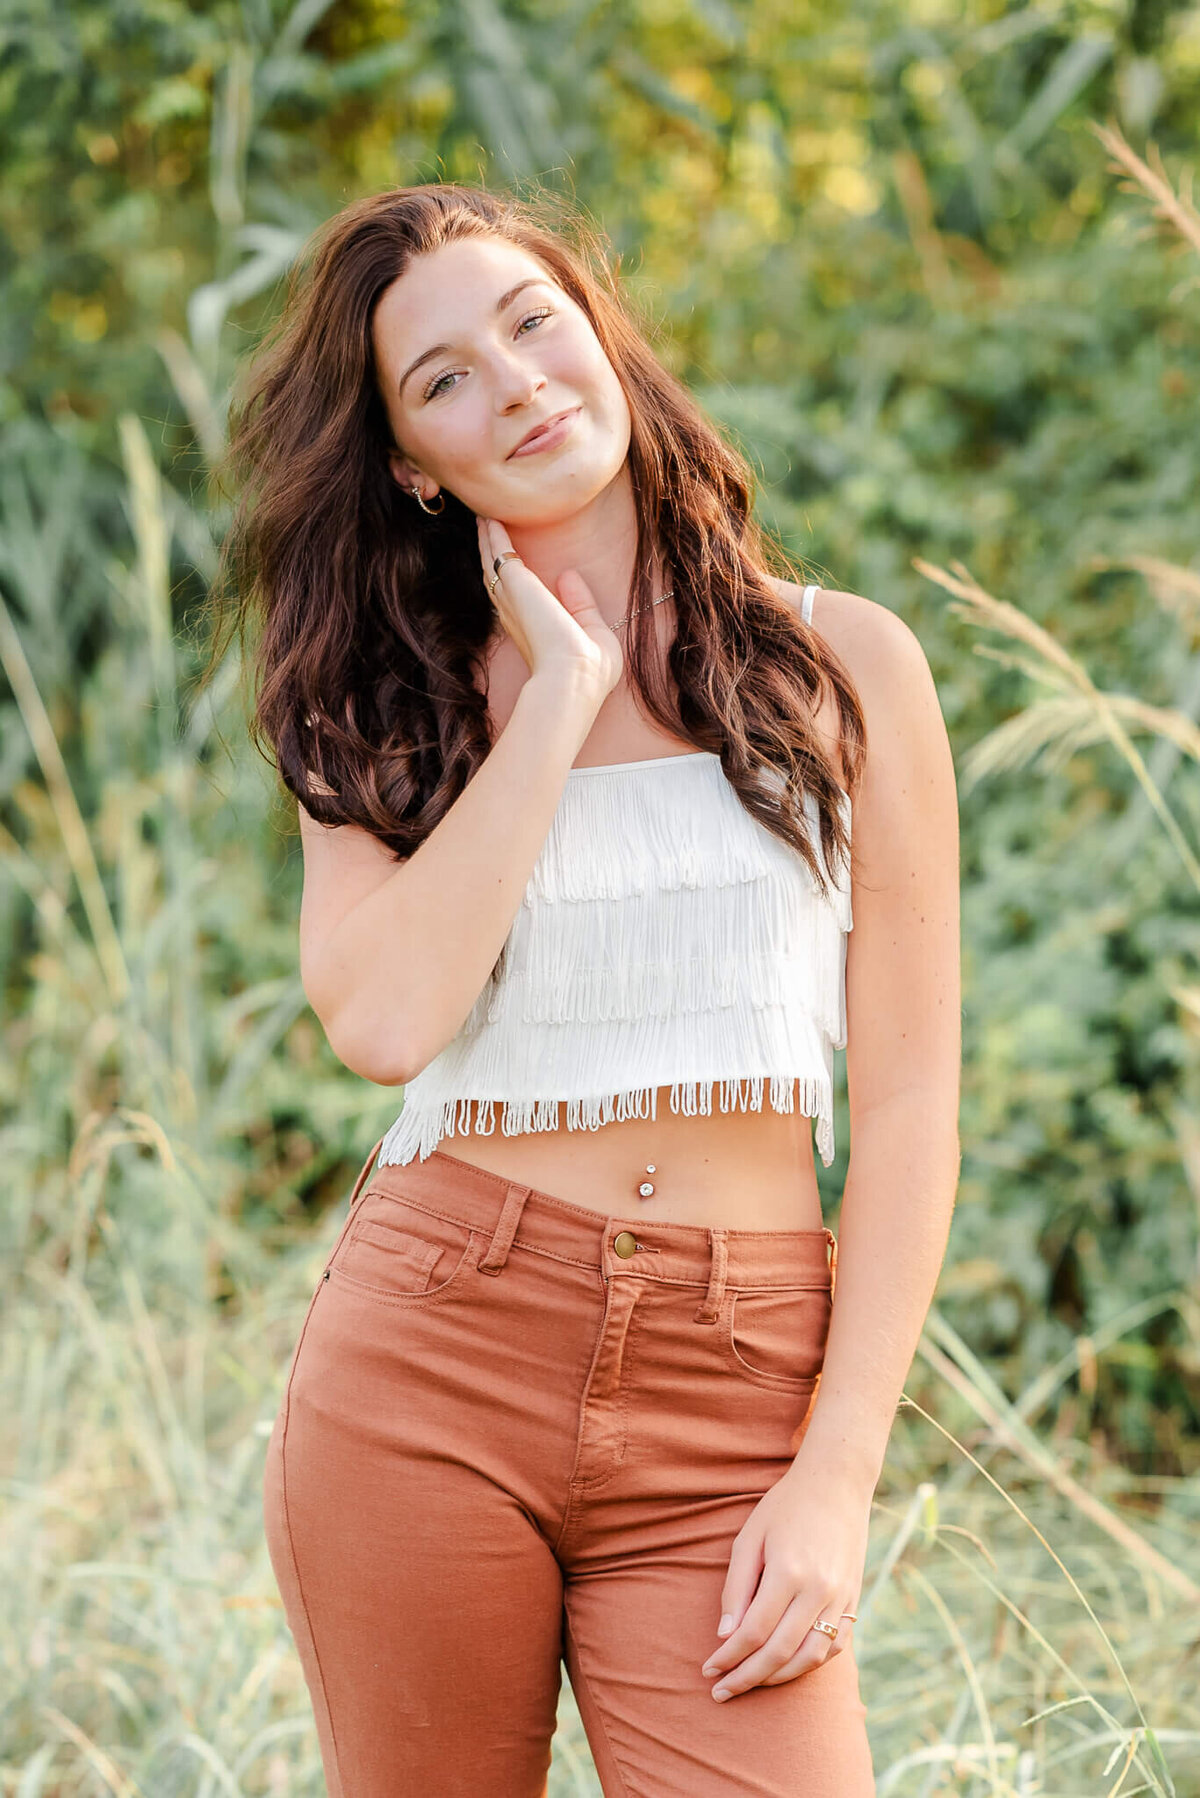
669, 594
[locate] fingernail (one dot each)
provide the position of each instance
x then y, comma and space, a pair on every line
725, 1625
721, 1693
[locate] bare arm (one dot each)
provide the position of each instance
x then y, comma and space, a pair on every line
393, 976
903, 1045
393, 957
798, 1559
403, 962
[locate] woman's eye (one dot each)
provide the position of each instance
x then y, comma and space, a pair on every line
530, 318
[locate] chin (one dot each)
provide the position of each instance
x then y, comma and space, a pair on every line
570, 494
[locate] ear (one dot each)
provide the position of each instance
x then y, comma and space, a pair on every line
405, 474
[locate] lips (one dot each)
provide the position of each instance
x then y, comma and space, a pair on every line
543, 429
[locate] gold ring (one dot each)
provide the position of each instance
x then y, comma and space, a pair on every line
826, 1629
508, 555
853, 1615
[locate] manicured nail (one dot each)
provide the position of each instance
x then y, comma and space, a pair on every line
725, 1625
722, 1692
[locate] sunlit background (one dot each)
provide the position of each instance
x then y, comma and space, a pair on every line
936, 269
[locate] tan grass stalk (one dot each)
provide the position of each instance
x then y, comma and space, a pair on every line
72, 828
1014, 1434
1176, 208
983, 608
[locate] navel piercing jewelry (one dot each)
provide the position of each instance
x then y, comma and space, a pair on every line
646, 1188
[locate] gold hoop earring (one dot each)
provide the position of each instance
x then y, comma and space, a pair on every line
432, 510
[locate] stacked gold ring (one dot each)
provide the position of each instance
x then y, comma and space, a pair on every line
831, 1629
507, 555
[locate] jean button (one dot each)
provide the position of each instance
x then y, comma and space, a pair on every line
625, 1243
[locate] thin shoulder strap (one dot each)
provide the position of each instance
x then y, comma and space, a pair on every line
806, 608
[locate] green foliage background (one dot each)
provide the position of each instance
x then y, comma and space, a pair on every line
893, 258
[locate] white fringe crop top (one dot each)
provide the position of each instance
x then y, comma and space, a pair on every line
666, 938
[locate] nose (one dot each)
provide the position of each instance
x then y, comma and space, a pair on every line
516, 382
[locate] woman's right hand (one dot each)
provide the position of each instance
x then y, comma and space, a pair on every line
550, 630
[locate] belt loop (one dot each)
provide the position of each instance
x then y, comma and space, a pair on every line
831, 1239
710, 1306
367, 1167
506, 1229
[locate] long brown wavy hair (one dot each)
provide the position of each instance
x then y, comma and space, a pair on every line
373, 617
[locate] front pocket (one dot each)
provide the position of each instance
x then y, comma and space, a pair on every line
402, 1252
776, 1335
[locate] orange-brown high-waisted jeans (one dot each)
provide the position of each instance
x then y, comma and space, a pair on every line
517, 1432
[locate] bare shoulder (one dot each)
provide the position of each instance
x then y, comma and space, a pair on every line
906, 811
872, 642
887, 667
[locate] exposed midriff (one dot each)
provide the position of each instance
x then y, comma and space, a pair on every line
741, 1170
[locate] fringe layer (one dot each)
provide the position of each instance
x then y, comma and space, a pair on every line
675, 823
666, 940
427, 1127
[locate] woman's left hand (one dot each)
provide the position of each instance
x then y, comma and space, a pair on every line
804, 1547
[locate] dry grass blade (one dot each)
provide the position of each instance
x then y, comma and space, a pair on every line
1160, 1779
1055, 729
964, 1373
1154, 182
981, 608
72, 828
189, 383
1162, 1566
1167, 581
966, 1661
115, 1781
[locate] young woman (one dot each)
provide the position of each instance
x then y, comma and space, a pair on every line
575, 774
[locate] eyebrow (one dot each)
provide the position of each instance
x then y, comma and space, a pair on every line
505, 300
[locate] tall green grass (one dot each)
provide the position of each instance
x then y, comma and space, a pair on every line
178, 1140
1029, 1613
1009, 1641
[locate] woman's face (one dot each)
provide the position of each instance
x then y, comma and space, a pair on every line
465, 378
